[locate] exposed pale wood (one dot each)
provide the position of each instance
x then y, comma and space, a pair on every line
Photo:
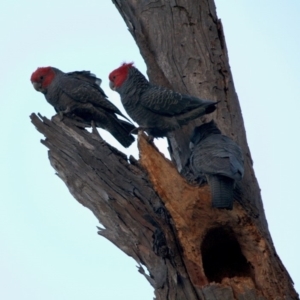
121, 196
146, 208
190, 208
183, 45
133, 201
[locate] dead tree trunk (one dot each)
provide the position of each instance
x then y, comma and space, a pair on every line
148, 210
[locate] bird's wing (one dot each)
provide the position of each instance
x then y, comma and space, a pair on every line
228, 148
88, 77
208, 163
169, 103
82, 91
220, 155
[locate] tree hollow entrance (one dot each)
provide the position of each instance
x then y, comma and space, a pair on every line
222, 256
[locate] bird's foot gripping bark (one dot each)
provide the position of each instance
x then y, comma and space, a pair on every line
192, 178
94, 130
137, 129
150, 138
142, 128
62, 113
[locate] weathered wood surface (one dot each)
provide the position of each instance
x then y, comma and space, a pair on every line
217, 245
147, 209
154, 215
183, 45
121, 196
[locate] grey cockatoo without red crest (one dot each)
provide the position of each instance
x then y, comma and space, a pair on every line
219, 159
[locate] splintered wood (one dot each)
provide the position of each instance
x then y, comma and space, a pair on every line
193, 216
191, 250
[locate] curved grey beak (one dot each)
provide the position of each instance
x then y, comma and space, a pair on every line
112, 86
37, 86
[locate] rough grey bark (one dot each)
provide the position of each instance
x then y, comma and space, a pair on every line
183, 45
121, 196
147, 209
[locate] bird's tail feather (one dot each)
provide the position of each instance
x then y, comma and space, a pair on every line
196, 113
127, 126
121, 132
221, 191
119, 129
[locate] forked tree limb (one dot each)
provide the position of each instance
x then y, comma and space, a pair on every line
149, 211
122, 198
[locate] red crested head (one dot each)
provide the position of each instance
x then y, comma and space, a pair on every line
42, 78
118, 76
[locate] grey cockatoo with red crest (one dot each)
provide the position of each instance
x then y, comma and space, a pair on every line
79, 95
156, 109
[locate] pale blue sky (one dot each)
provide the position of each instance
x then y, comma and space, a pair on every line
49, 246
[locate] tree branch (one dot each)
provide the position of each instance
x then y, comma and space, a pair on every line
154, 215
191, 250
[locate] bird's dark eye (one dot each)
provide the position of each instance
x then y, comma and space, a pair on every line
41, 77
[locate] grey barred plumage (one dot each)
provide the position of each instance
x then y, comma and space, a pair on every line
220, 159
78, 95
156, 109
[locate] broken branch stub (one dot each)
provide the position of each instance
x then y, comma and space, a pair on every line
150, 212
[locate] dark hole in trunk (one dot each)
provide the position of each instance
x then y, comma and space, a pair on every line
222, 256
